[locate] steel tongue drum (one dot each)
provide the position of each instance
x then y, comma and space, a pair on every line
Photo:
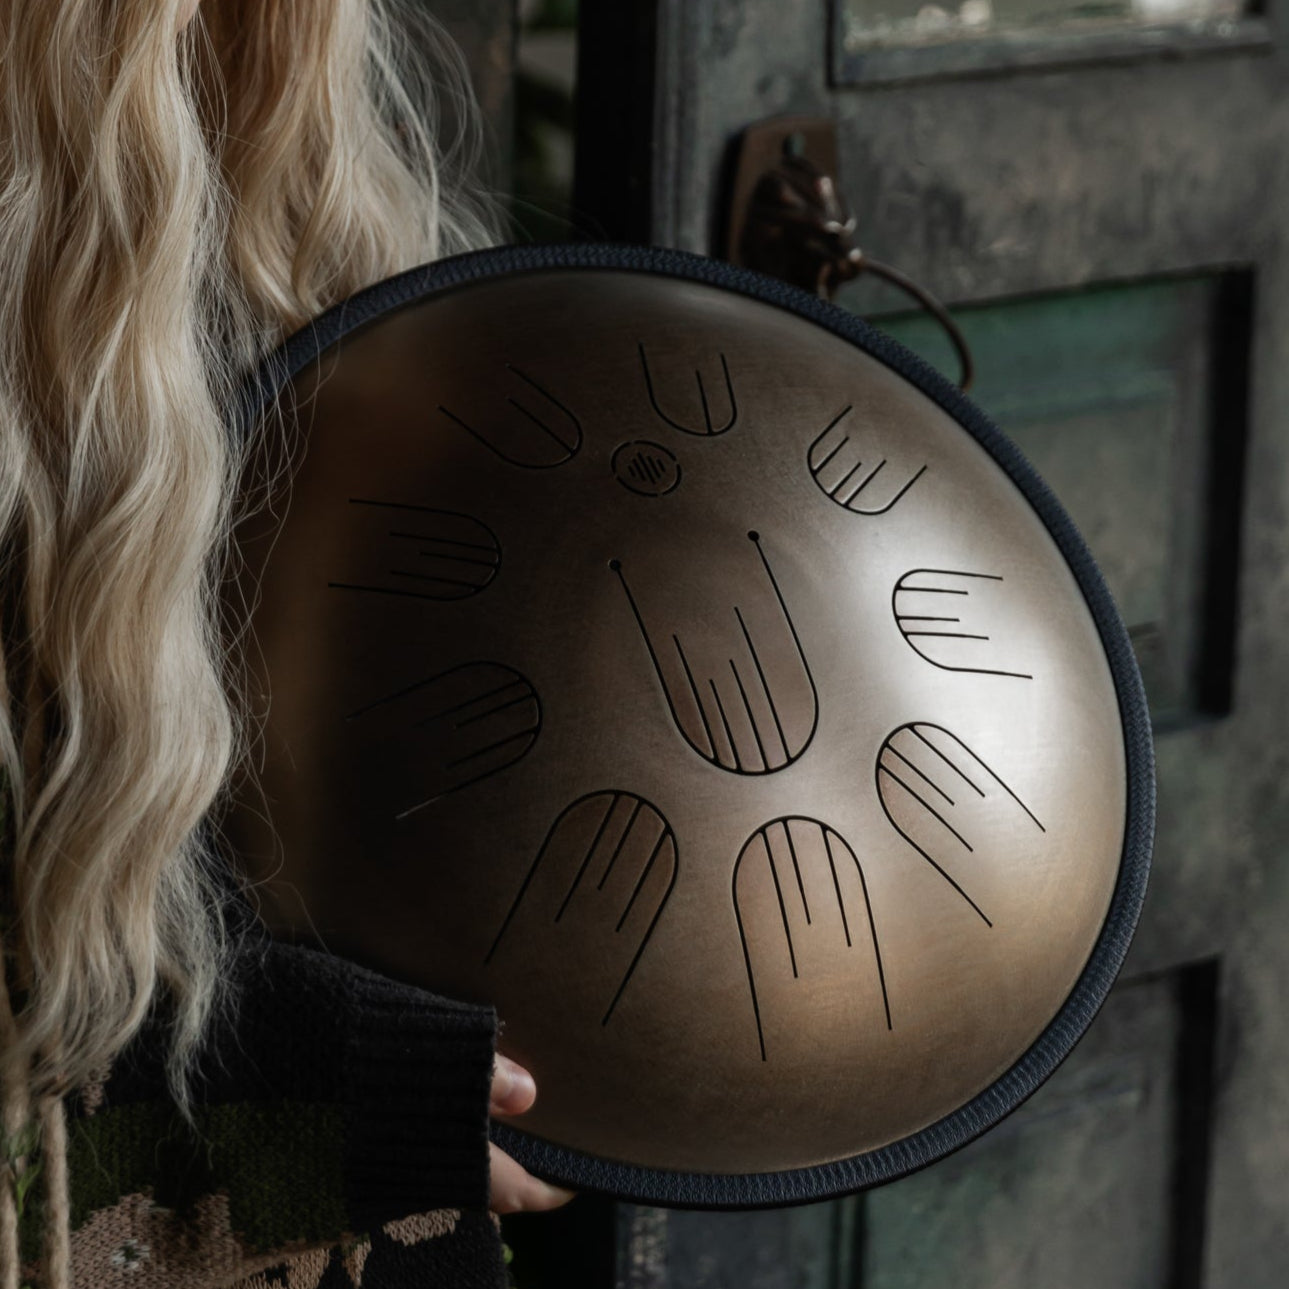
665, 657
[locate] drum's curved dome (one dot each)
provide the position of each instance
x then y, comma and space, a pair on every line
658, 654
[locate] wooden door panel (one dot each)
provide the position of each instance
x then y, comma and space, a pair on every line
981, 187
1094, 1162
815, 1246
1044, 181
882, 41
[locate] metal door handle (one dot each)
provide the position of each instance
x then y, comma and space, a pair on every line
789, 219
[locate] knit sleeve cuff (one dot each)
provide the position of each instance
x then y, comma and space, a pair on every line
419, 1071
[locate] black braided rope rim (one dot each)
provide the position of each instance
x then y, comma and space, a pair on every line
822, 1181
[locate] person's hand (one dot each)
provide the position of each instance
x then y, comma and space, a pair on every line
514, 1190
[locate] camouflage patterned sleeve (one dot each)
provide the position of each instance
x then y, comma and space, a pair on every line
334, 1103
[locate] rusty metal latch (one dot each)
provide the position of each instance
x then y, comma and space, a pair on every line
788, 218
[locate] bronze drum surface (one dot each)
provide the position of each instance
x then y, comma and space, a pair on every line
665, 670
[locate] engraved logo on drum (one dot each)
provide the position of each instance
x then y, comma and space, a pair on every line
645, 468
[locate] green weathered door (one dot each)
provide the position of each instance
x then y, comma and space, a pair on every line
1100, 190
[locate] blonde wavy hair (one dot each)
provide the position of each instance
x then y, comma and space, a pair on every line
173, 201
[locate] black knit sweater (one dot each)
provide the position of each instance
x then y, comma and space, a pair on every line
341, 1142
